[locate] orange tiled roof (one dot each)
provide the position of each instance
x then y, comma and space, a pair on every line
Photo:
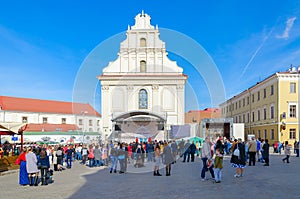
45, 106
50, 127
215, 110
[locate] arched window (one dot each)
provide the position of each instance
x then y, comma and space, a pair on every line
142, 42
142, 66
143, 99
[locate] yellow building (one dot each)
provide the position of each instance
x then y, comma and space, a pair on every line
268, 109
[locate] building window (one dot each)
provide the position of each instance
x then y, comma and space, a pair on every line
248, 100
258, 115
258, 95
63, 120
292, 133
248, 117
90, 122
292, 87
143, 99
24, 119
265, 93
90, 130
142, 66
272, 135
292, 110
265, 113
236, 106
239, 103
272, 112
243, 102
240, 119
98, 122
143, 42
243, 118
252, 97
272, 90
80, 121
265, 134
45, 120
252, 116
259, 136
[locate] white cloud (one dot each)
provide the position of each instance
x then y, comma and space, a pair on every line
288, 27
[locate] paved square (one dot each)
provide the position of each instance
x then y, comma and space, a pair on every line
279, 180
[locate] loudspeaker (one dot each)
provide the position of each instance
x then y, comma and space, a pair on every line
160, 127
117, 128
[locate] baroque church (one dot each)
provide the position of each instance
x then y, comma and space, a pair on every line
142, 90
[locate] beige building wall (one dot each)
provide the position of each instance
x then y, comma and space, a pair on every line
262, 108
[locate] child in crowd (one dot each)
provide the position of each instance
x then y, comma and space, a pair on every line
218, 165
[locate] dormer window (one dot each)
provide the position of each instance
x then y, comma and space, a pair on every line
142, 42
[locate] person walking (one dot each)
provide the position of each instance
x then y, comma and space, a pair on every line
157, 158
287, 152
218, 165
69, 155
174, 148
187, 151
104, 154
265, 152
297, 148
91, 156
60, 157
168, 158
181, 147
193, 151
122, 157
252, 148
205, 156
113, 158
238, 158
31, 167
98, 156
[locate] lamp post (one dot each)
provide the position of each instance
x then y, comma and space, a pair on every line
83, 126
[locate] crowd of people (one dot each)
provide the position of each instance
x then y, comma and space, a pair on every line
38, 159
35, 160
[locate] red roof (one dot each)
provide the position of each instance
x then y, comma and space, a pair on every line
46, 106
50, 127
212, 110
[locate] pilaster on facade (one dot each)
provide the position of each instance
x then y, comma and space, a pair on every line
265, 104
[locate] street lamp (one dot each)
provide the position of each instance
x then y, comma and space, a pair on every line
83, 127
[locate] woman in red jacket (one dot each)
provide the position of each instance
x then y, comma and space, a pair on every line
23, 175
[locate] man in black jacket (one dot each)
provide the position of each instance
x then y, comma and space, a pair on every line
192, 151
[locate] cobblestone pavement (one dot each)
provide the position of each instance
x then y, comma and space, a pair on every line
279, 180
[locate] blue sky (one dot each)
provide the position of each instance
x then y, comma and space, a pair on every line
44, 43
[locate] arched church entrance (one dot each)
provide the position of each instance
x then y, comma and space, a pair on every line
142, 125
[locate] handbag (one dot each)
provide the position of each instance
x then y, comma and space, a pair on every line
209, 163
236, 152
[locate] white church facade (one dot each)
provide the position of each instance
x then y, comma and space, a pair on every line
142, 90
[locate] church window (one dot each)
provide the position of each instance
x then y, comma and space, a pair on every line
142, 42
143, 66
143, 99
